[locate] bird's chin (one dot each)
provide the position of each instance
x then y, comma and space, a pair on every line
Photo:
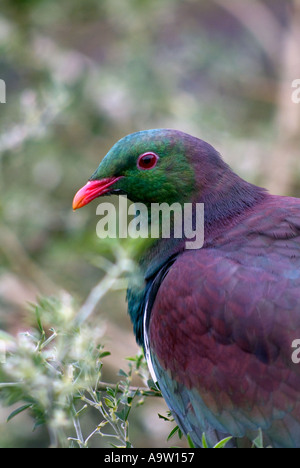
93, 189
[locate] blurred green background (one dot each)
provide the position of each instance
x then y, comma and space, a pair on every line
82, 74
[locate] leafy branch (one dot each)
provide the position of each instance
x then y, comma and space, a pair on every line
54, 370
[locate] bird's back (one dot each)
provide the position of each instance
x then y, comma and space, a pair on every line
223, 323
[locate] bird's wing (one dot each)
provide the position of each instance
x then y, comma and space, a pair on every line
221, 333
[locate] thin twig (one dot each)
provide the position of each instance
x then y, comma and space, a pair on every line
77, 427
144, 391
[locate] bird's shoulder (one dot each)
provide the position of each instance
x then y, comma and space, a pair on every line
272, 223
223, 323
241, 293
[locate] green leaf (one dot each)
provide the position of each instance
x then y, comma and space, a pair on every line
104, 354
173, 432
110, 392
165, 418
222, 442
258, 441
18, 411
123, 415
38, 320
190, 442
204, 441
38, 423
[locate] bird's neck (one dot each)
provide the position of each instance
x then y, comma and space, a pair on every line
227, 199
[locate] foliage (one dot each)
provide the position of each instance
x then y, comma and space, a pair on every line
56, 374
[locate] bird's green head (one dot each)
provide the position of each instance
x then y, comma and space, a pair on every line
151, 166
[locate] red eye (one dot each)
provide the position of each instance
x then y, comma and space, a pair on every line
147, 161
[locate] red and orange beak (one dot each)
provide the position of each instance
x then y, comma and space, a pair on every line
92, 190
